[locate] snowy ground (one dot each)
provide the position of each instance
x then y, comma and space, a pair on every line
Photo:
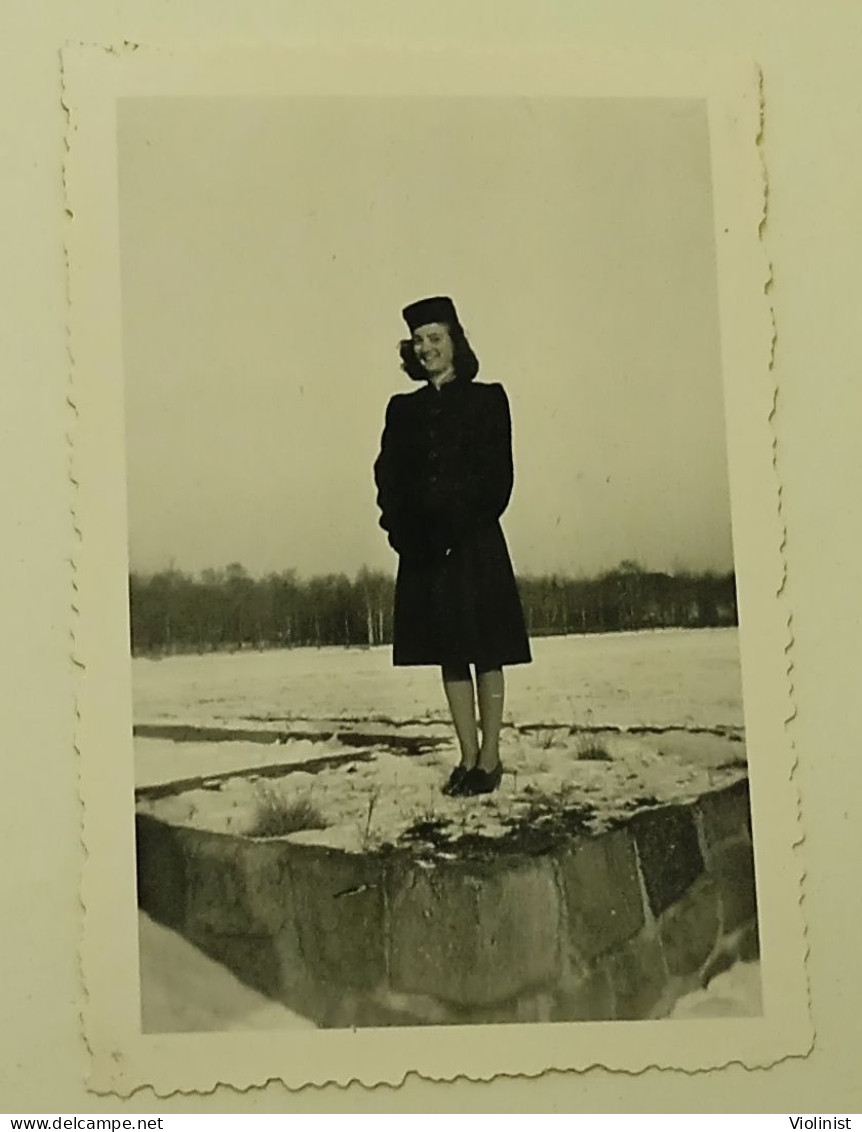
670, 677
389, 799
678, 679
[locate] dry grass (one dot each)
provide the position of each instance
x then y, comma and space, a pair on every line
366, 833
276, 816
589, 748
547, 738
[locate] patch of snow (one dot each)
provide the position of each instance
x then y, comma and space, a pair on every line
163, 760
732, 994
183, 991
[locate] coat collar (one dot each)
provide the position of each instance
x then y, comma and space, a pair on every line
448, 389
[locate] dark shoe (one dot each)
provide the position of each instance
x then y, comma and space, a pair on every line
455, 782
480, 781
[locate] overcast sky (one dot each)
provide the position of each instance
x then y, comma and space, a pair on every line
268, 246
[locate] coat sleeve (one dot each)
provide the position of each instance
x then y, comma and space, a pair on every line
487, 489
389, 481
410, 529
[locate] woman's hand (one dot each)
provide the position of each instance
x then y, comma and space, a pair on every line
426, 544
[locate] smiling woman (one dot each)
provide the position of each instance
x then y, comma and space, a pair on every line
433, 347
444, 477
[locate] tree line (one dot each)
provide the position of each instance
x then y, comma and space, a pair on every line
228, 609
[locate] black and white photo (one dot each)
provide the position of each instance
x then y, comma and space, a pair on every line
441, 617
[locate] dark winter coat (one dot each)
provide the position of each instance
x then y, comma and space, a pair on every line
444, 477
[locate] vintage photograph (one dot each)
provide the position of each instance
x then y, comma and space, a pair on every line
433, 609
429, 632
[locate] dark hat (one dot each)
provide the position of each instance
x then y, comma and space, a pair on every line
440, 308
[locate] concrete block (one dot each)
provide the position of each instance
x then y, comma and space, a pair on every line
725, 814
161, 869
339, 915
690, 928
251, 958
267, 889
235, 885
215, 884
415, 1009
669, 853
297, 988
330, 1004
534, 1007
732, 866
584, 998
749, 943
740, 944
602, 892
473, 937
638, 977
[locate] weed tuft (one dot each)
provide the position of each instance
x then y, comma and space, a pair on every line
590, 749
276, 816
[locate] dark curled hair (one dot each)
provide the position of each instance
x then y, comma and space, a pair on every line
464, 361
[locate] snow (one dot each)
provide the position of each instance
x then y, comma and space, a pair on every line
365, 804
161, 760
732, 994
667, 679
664, 678
183, 990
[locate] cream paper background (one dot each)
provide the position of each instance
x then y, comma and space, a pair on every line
122, 1057
811, 237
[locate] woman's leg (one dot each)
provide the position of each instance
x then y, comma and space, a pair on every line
491, 688
458, 684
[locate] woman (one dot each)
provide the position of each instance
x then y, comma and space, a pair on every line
444, 477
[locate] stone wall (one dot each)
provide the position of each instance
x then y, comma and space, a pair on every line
615, 926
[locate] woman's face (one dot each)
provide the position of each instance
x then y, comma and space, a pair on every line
433, 346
